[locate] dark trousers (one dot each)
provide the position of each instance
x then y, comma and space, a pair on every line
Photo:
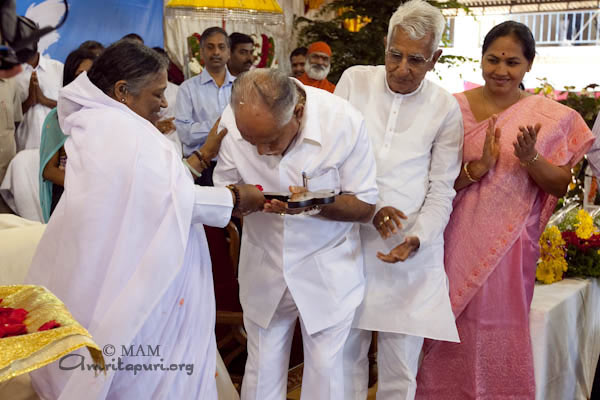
207, 174
57, 191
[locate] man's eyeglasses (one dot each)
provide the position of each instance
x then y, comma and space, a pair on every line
413, 60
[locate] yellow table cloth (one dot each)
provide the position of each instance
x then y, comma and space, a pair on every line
25, 353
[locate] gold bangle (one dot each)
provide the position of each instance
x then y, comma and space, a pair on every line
469, 177
528, 163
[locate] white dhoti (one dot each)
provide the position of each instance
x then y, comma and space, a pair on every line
266, 372
398, 360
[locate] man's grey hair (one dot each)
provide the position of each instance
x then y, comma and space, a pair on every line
418, 18
270, 86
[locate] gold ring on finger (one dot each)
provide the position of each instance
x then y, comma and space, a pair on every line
386, 219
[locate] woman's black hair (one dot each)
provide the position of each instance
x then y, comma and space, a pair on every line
126, 60
518, 30
74, 59
91, 45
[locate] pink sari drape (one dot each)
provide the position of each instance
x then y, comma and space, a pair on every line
490, 257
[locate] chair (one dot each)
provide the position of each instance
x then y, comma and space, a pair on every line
231, 336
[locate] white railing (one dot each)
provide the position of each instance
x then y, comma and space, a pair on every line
557, 28
448, 38
549, 28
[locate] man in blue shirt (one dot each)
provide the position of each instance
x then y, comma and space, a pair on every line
202, 99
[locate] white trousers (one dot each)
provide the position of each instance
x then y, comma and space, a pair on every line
265, 377
398, 359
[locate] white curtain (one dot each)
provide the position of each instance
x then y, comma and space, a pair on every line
179, 27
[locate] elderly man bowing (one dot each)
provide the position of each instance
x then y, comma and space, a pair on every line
416, 131
309, 264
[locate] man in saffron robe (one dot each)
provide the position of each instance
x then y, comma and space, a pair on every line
318, 64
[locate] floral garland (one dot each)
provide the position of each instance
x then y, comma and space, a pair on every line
264, 51
571, 248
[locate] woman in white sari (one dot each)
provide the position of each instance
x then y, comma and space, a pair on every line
125, 249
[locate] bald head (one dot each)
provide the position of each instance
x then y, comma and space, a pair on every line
267, 113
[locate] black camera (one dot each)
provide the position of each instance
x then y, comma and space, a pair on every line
20, 35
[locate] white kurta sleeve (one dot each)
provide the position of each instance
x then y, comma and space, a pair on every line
212, 206
446, 159
226, 172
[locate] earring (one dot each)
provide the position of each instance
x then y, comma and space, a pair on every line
122, 100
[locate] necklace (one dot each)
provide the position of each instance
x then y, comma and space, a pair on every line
487, 102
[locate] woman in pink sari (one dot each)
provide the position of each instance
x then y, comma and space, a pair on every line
518, 154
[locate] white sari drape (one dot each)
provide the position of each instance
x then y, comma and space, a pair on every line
123, 253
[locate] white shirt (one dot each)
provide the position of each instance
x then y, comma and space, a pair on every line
50, 77
317, 259
169, 112
171, 97
593, 154
417, 140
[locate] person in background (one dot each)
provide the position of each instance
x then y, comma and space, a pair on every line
93, 46
518, 153
133, 36
593, 155
202, 99
10, 109
317, 66
242, 57
166, 123
53, 158
297, 61
38, 85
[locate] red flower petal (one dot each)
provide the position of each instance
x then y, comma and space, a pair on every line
259, 188
7, 330
49, 325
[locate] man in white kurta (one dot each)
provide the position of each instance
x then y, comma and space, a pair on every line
306, 266
166, 124
125, 251
49, 74
416, 132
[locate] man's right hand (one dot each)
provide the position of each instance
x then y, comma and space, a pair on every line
251, 200
387, 221
211, 147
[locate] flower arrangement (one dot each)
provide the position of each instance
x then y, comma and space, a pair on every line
195, 63
264, 51
570, 248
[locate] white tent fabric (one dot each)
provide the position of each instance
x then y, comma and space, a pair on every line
179, 26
